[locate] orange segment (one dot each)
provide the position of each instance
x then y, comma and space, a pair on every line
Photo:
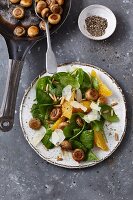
57, 123
84, 103
87, 105
103, 89
99, 141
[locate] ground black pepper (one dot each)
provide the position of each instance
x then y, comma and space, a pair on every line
96, 25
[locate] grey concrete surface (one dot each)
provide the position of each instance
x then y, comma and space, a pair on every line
23, 174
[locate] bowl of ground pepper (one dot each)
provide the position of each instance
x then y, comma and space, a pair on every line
97, 22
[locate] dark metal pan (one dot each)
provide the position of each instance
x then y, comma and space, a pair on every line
18, 48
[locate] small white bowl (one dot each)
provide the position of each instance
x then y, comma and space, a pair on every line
100, 11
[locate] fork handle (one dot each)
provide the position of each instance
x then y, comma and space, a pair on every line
51, 62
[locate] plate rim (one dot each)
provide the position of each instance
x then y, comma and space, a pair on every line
62, 165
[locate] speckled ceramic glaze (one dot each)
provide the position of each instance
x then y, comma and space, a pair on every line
110, 129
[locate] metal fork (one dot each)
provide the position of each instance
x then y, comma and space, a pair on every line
51, 62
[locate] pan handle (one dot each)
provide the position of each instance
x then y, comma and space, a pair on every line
9, 99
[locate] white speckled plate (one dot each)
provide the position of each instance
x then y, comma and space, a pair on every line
110, 129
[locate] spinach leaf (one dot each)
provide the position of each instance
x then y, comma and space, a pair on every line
91, 156
68, 131
76, 130
42, 97
79, 75
87, 139
42, 82
65, 78
41, 111
108, 113
78, 133
97, 125
58, 90
72, 129
95, 83
36, 112
46, 140
78, 145
86, 83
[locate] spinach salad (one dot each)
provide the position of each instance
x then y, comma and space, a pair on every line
73, 108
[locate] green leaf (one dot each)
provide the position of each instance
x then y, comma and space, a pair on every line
46, 140
108, 113
91, 156
79, 75
78, 133
87, 139
42, 97
36, 112
41, 111
68, 131
78, 145
86, 84
42, 82
65, 78
97, 125
95, 83
76, 130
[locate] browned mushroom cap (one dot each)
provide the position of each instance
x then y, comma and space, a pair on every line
102, 100
62, 125
35, 123
79, 121
40, 6
92, 94
18, 13
14, 1
45, 12
54, 18
56, 9
50, 2
26, 3
78, 155
33, 31
55, 114
42, 25
19, 31
60, 2
66, 145
37, 1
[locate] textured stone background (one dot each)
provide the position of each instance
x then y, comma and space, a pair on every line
23, 174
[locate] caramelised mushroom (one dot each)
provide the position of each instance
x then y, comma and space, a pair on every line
60, 2
80, 122
55, 114
66, 145
54, 18
56, 9
50, 2
35, 123
62, 125
26, 3
33, 31
18, 13
102, 100
92, 94
42, 25
40, 6
78, 155
45, 12
14, 1
19, 31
